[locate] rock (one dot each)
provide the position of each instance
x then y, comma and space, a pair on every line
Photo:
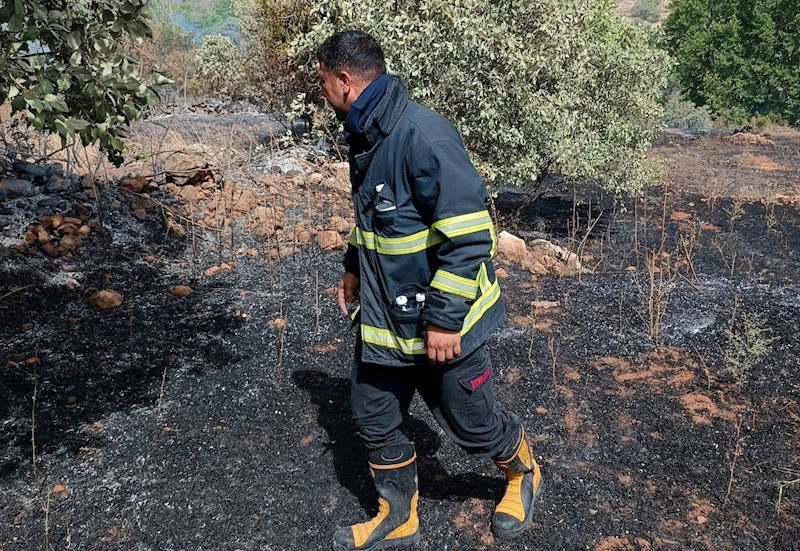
330, 240
52, 221
247, 201
70, 243
30, 238
500, 273
339, 224
182, 165
141, 214
182, 291
85, 231
537, 268
86, 181
71, 400
5, 221
67, 229
189, 194
103, 300
315, 178
50, 250
16, 187
133, 184
213, 270
173, 227
37, 171
41, 235
48, 202
511, 248
60, 490
56, 184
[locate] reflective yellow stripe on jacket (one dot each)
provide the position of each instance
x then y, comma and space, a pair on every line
455, 284
490, 294
395, 245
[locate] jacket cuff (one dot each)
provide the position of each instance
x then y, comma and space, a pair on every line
429, 316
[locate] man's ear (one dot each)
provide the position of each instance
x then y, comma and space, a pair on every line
346, 82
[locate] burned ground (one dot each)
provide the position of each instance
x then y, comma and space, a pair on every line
220, 420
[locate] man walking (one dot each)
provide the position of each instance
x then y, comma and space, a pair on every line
420, 262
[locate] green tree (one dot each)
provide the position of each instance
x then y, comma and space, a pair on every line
534, 87
740, 57
63, 67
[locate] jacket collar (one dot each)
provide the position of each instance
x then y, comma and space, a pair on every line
382, 120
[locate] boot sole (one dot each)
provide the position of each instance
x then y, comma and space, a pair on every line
511, 534
384, 544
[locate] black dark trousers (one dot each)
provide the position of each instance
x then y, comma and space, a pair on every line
460, 396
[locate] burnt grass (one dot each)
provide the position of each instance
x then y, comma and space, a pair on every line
200, 423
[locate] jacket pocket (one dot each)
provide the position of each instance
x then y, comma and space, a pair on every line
385, 206
406, 310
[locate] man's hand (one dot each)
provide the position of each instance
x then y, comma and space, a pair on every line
442, 344
348, 291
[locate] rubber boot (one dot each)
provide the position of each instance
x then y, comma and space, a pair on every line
394, 469
515, 511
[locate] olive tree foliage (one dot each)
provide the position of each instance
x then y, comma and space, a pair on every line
218, 64
534, 87
64, 68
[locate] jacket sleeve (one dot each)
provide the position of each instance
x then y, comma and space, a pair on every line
350, 260
451, 194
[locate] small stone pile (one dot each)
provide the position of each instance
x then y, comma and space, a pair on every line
57, 235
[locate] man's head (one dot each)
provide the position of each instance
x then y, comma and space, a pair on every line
348, 62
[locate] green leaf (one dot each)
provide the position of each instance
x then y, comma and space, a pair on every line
75, 58
76, 125
74, 40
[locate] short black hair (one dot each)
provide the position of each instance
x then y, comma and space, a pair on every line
355, 52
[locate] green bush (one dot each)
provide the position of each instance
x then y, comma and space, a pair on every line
647, 10
218, 65
534, 87
750, 340
682, 113
739, 57
64, 69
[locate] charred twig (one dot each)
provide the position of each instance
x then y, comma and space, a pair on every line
736, 453
553, 348
17, 290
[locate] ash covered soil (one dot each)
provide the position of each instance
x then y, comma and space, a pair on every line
220, 420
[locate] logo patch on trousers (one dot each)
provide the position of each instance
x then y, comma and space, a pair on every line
475, 383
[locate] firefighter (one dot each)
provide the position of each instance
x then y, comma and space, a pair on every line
419, 263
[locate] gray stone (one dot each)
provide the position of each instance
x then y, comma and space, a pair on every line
48, 202
30, 168
17, 187
55, 170
5, 221
44, 211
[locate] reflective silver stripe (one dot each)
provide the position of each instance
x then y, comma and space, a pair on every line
455, 284
384, 337
463, 224
488, 298
397, 245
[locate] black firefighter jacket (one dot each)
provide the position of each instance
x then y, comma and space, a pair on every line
423, 240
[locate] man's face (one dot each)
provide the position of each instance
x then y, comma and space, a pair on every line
336, 89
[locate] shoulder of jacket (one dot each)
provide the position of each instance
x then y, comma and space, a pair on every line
427, 125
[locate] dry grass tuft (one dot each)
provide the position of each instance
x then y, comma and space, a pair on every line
758, 162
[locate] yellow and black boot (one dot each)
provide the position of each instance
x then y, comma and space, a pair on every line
515, 511
394, 469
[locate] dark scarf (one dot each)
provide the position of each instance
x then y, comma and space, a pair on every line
360, 111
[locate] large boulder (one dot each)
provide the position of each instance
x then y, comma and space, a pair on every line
511, 248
